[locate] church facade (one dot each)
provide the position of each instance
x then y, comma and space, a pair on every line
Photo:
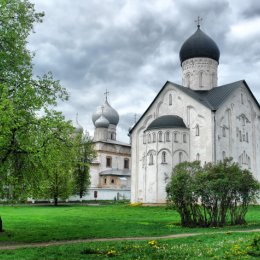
110, 175
196, 121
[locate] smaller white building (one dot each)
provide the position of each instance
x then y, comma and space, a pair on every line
110, 174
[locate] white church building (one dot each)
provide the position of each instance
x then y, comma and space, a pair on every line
110, 175
196, 121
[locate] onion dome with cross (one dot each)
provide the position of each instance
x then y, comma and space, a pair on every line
107, 112
199, 45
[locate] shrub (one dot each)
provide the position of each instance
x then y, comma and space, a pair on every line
212, 195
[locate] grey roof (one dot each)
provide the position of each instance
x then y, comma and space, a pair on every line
115, 172
102, 122
108, 112
113, 142
210, 98
169, 121
199, 45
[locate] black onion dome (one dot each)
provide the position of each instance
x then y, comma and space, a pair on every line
167, 122
199, 45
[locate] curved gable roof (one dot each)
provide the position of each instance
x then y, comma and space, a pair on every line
169, 121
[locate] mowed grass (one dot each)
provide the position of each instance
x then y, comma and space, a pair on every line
47, 223
209, 246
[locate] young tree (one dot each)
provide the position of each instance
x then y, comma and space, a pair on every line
57, 156
86, 154
21, 98
213, 195
180, 191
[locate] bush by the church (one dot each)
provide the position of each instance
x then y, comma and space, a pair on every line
213, 195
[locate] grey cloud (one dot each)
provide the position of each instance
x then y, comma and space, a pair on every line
132, 48
252, 9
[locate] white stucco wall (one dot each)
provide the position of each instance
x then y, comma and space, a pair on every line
148, 181
118, 153
104, 194
240, 116
200, 73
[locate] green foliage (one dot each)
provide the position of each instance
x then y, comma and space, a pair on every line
213, 195
43, 223
28, 125
254, 247
57, 155
204, 247
181, 192
85, 155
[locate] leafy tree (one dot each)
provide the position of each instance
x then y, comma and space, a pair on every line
22, 99
213, 195
180, 191
86, 154
57, 158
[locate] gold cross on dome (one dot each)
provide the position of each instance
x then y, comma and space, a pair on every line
198, 21
106, 94
77, 118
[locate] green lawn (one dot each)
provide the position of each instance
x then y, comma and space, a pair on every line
209, 246
46, 223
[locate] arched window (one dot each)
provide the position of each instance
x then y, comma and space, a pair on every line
163, 157
197, 130
184, 138
167, 136
150, 159
176, 137
243, 120
197, 157
170, 99
180, 157
160, 136
188, 80
213, 79
200, 78
109, 161
144, 137
249, 163
223, 131
105, 181
223, 155
154, 137
247, 137
244, 157
126, 163
149, 138
242, 99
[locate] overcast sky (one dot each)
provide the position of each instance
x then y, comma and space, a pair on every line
131, 48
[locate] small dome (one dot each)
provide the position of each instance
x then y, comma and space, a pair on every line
101, 122
199, 45
167, 122
78, 129
109, 113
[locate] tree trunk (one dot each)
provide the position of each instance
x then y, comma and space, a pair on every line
55, 201
1, 225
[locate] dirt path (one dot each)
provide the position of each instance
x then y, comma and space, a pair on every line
65, 242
